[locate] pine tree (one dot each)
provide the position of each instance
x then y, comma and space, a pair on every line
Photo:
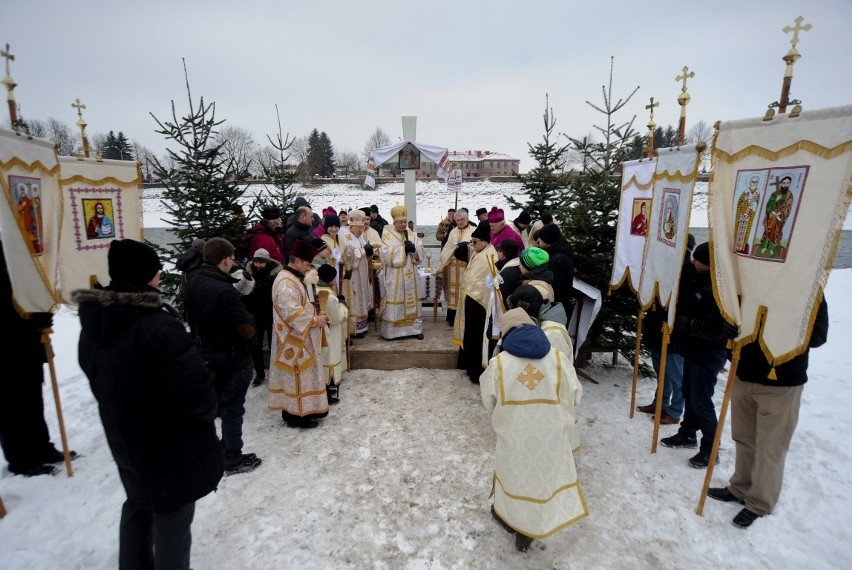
110, 148
326, 156
279, 175
544, 180
588, 208
314, 162
200, 185
122, 145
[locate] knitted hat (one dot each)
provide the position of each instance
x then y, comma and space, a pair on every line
303, 250
132, 262
509, 247
326, 273
332, 220
533, 257
356, 217
397, 213
374, 209
514, 318
216, 249
495, 215
299, 202
366, 211
262, 255
482, 231
549, 234
523, 218
527, 298
702, 253
481, 211
328, 211
271, 213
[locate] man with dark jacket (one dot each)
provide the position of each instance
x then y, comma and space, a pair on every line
291, 219
705, 335
157, 406
764, 412
561, 264
300, 230
226, 333
377, 222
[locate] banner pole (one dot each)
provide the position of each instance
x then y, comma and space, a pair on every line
48, 349
636, 355
664, 354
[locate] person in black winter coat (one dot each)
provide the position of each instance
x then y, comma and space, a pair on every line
226, 332
24, 436
188, 264
705, 333
764, 412
157, 406
561, 264
263, 270
300, 230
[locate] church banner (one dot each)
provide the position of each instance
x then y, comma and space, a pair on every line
379, 156
30, 213
777, 201
674, 181
637, 183
102, 203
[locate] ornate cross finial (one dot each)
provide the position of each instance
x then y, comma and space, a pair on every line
651, 107
787, 29
684, 77
6, 53
79, 106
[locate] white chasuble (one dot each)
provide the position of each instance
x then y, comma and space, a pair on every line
452, 267
358, 290
778, 198
634, 212
532, 406
400, 309
296, 381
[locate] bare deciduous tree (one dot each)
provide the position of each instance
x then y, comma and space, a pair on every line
264, 158
67, 141
299, 149
145, 156
237, 145
699, 132
378, 139
347, 162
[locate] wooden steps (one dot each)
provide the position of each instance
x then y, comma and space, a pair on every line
436, 350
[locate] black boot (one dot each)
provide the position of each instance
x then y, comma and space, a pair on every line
331, 392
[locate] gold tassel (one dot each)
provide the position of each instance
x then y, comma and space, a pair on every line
772, 375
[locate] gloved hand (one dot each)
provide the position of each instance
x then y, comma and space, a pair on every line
729, 330
347, 274
342, 299
409, 247
41, 320
368, 249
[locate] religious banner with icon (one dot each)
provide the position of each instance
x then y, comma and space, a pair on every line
668, 226
409, 158
636, 191
102, 203
777, 201
454, 181
30, 214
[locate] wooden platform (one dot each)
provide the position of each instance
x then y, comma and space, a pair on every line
436, 350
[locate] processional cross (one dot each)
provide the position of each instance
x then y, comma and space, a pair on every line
651, 126
10, 88
82, 124
683, 101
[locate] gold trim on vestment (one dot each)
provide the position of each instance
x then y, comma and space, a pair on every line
564, 525
505, 402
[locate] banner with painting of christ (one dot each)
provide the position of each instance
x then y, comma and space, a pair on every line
30, 214
379, 156
633, 215
777, 200
102, 203
665, 246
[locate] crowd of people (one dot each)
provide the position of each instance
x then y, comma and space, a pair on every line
283, 307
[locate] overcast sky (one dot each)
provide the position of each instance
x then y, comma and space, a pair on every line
474, 73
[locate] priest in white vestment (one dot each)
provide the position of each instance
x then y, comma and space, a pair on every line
296, 381
527, 389
401, 253
357, 286
450, 267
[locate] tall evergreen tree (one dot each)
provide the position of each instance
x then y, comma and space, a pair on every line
326, 156
200, 184
123, 146
588, 210
277, 173
544, 180
110, 147
314, 161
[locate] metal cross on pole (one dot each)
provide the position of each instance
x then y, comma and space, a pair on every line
792, 56
10, 88
683, 101
82, 124
651, 126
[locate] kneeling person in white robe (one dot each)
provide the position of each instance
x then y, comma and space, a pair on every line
527, 389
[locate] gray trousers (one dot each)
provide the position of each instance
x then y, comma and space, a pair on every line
763, 419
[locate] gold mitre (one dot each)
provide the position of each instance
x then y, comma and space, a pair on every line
398, 213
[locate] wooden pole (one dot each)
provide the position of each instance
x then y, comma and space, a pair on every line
636, 357
48, 349
714, 452
661, 381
